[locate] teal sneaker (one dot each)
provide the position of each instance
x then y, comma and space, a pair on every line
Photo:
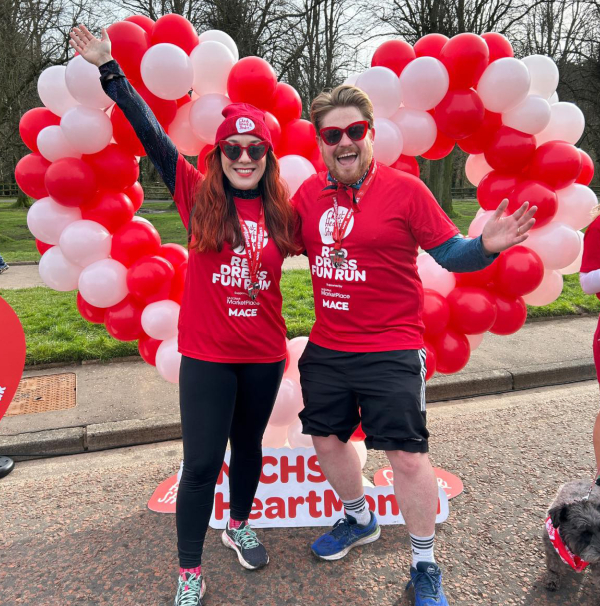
344, 536
243, 540
426, 578
190, 590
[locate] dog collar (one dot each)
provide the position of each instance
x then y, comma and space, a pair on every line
566, 555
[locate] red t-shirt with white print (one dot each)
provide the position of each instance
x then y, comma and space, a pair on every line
218, 322
375, 301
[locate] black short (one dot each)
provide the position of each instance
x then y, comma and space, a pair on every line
383, 390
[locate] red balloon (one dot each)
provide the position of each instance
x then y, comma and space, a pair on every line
42, 246
149, 279
134, 240
110, 209
460, 113
452, 352
498, 45
32, 122
114, 167
317, 160
136, 194
393, 54
481, 139
494, 188
479, 279
430, 45
510, 150
201, 162
174, 29
124, 320
472, 310
129, 43
88, 312
519, 272
70, 181
512, 313
287, 105
556, 163
252, 80
274, 128
465, 56
436, 313
30, 174
298, 137
124, 134
430, 361
174, 253
178, 284
359, 435
587, 169
147, 346
442, 146
408, 164
537, 194
144, 22
183, 100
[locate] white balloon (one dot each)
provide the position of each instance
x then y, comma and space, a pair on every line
167, 71
351, 79
575, 267
424, 83
504, 84
219, 36
434, 276
557, 244
206, 117
295, 170
53, 144
478, 223
531, 116
548, 291
53, 91
87, 129
575, 203
181, 133
83, 82
211, 61
57, 272
476, 168
46, 219
274, 436
85, 242
544, 75
361, 451
387, 145
288, 403
159, 319
553, 98
168, 360
296, 438
566, 124
383, 88
475, 340
418, 129
103, 283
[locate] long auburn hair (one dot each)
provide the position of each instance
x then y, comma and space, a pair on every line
215, 219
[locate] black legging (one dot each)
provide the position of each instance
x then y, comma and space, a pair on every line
218, 402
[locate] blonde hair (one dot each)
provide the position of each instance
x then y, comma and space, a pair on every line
341, 96
595, 212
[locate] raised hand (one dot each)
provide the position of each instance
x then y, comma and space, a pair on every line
501, 232
93, 50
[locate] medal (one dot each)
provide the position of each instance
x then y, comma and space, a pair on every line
338, 257
254, 290
254, 253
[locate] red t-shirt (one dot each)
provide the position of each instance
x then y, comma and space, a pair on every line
591, 248
218, 321
375, 301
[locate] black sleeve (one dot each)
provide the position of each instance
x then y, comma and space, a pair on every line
160, 149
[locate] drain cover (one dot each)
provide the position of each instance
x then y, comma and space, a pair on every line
45, 393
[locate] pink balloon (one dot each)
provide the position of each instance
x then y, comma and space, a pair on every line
387, 146
477, 168
103, 283
181, 133
288, 403
556, 244
274, 437
434, 276
575, 203
46, 219
85, 242
206, 116
53, 144
159, 319
383, 88
418, 129
424, 83
167, 71
296, 438
478, 223
57, 272
295, 170
168, 360
548, 291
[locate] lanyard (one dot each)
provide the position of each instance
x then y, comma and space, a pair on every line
254, 252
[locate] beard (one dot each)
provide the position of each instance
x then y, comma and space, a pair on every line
350, 174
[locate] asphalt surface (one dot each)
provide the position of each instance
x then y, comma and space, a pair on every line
76, 530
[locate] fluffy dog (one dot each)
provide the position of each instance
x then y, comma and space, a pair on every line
576, 523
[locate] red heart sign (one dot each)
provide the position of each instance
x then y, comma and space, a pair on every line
12, 354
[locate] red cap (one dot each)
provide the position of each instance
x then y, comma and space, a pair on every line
243, 119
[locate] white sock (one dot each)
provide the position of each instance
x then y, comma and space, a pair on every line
358, 509
422, 549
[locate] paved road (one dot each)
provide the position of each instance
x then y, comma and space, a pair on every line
76, 530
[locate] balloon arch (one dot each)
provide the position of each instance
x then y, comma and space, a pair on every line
468, 90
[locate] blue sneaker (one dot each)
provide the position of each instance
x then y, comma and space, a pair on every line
426, 578
345, 535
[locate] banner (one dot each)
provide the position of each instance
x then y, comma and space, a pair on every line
292, 492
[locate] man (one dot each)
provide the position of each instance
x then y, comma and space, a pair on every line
361, 225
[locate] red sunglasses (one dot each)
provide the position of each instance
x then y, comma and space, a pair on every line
356, 131
234, 151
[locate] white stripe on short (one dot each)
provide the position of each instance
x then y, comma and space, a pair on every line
423, 358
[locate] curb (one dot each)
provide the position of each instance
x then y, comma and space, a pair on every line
135, 432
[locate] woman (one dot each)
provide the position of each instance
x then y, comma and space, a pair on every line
590, 283
231, 331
